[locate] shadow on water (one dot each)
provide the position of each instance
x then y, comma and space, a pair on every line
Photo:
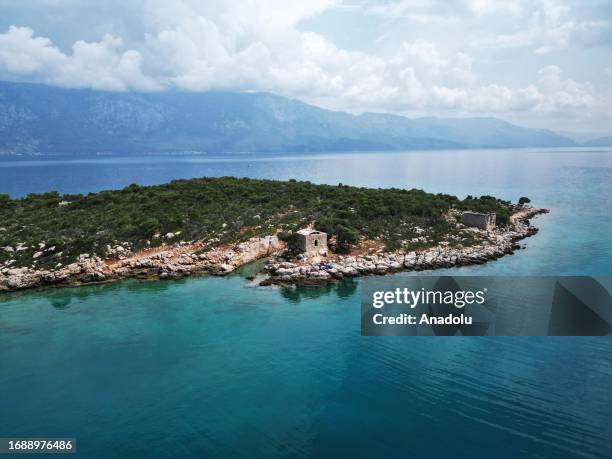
250, 269
63, 297
296, 293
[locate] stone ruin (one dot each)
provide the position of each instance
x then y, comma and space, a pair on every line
477, 220
311, 241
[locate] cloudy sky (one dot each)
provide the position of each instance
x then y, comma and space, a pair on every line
544, 63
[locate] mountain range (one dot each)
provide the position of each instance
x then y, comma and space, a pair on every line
46, 119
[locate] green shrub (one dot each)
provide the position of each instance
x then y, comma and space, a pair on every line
228, 209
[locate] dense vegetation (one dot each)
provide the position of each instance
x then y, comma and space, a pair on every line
46, 229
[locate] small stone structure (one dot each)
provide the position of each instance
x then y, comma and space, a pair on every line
311, 241
477, 220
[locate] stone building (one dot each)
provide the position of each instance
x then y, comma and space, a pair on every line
477, 220
311, 241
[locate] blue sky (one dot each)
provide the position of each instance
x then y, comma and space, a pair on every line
543, 63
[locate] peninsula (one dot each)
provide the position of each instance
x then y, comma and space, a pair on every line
310, 232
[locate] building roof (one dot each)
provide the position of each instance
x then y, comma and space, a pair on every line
308, 231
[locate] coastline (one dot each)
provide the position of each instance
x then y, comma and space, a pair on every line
493, 245
177, 261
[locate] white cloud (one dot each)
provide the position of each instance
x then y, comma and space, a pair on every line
437, 10
544, 25
239, 46
563, 94
549, 25
21, 52
99, 65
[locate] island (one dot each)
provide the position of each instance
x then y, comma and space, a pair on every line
309, 232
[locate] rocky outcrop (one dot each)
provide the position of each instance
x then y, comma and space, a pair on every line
85, 270
184, 259
493, 245
172, 262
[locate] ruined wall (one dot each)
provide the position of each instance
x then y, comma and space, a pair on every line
312, 242
482, 221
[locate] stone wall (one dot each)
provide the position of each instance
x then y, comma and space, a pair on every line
482, 221
312, 242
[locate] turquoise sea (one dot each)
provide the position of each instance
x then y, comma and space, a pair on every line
214, 367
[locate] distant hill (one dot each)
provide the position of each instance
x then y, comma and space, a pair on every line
601, 142
46, 119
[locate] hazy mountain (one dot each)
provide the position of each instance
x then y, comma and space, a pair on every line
38, 118
601, 142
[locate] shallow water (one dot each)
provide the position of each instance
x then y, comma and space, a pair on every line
213, 367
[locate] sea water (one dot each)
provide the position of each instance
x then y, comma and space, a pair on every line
216, 367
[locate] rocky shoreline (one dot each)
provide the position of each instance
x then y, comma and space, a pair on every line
181, 260
165, 262
493, 245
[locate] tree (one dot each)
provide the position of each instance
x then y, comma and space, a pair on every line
148, 226
345, 237
523, 200
291, 239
